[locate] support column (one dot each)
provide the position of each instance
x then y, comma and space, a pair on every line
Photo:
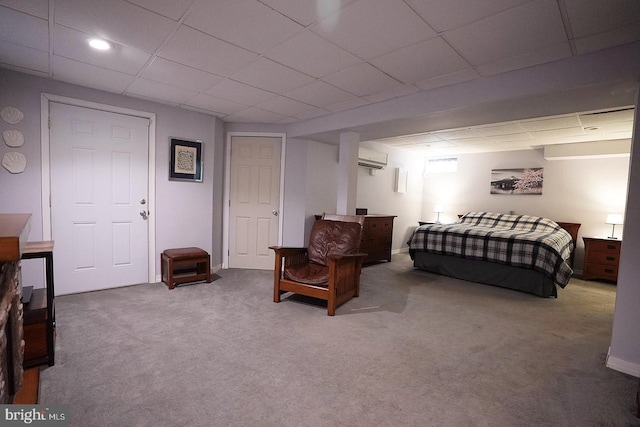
347, 173
624, 353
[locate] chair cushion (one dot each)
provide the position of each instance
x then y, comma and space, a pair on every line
309, 273
333, 237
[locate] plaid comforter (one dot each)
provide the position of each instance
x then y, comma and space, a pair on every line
517, 240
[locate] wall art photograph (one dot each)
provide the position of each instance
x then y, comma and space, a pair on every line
186, 160
517, 181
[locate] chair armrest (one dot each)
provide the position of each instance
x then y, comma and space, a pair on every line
287, 251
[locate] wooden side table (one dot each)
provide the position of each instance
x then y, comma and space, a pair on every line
601, 258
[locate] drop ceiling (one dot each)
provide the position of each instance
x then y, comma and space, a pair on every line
288, 61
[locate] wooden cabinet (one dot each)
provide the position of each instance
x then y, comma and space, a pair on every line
601, 258
377, 236
39, 311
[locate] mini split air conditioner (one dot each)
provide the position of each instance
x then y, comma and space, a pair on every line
371, 158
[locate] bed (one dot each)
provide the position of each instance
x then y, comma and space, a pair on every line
522, 252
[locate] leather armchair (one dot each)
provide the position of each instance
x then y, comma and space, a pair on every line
329, 268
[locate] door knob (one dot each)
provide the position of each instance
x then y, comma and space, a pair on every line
144, 215
274, 212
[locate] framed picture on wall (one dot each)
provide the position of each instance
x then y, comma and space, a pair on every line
185, 160
517, 181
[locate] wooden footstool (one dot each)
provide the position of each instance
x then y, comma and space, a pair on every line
183, 265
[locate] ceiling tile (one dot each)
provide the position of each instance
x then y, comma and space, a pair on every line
173, 9
530, 27
607, 39
347, 105
162, 91
588, 17
212, 103
421, 61
483, 147
257, 115
156, 100
271, 76
24, 57
245, 23
73, 44
311, 54
199, 50
39, 8
203, 111
169, 72
552, 123
289, 107
527, 59
501, 129
320, 94
394, 92
598, 118
24, 30
361, 80
448, 79
511, 137
453, 134
558, 135
306, 12
115, 20
445, 15
68, 70
361, 26
240, 92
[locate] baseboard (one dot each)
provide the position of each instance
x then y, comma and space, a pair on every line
623, 366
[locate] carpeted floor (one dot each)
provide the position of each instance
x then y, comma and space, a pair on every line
415, 349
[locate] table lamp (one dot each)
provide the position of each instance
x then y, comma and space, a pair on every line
614, 219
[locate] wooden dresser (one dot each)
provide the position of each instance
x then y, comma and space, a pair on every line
14, 230
377, 236
601, 258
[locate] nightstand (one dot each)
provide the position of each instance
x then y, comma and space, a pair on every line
601, 258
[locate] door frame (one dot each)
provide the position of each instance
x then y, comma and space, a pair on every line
227, 187
45, 100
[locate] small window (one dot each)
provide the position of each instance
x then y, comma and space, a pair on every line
449, 164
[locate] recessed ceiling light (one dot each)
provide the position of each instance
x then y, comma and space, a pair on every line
99, 44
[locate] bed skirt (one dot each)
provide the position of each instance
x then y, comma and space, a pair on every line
521, 279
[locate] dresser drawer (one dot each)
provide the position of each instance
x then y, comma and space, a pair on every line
612, 247
602, 271
604, 258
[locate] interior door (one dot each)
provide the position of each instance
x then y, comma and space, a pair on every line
254, 201
99, 186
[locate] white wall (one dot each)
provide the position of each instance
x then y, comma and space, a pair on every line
377, 192
177, 203
582, 191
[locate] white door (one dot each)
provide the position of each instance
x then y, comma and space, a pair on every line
254, 201
99, 174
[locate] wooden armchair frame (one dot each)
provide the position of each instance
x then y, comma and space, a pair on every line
344, 272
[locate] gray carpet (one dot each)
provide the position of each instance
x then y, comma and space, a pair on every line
415, 349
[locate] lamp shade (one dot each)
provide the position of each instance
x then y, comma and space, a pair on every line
614, 219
